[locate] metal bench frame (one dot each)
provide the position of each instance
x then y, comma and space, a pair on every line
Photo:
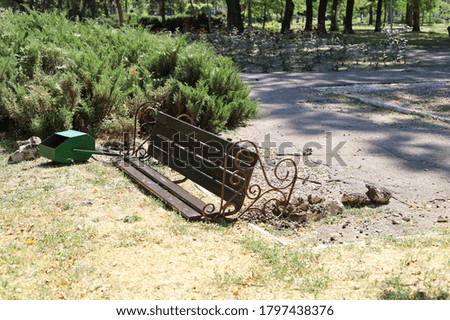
221, 166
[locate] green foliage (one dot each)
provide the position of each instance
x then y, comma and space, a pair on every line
56, 74
180, 23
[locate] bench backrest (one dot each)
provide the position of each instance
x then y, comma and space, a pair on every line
220, 166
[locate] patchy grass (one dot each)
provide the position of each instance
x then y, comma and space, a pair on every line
300, 268
395, 288
435, 37
64, 235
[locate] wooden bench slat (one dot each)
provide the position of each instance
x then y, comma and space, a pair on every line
158, 191
172, 187
192, 173
211, 151
205, 137
193, 160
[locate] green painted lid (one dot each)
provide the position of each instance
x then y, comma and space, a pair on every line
71, 133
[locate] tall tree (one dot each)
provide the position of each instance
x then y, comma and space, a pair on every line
105, 8
162, 10
249, 13
334, 26
371, 14
321, 16
409, 14
309, 15
264, 14
416, 15
234, 18
348, 22
192, 8
288, 13
379, 13
120, 12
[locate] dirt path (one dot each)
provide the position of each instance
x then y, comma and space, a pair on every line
407, 154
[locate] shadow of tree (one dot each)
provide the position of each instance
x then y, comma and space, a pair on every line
416, 144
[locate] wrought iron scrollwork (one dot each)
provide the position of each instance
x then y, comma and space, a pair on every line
278, 190
144, 120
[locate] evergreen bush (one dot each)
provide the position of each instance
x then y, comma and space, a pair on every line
57, 74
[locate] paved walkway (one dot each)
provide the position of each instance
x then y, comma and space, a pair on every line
407, 154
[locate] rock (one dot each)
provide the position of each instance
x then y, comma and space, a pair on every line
395, 222
302, 207
354, 199
345, 224
406, 219
298, 201
33, 141
377, 194
298, 216
335, 237
442, 219
335, 208
290, 207
315, 199
28, 150
318, 211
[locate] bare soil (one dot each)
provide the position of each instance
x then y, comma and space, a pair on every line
406, 154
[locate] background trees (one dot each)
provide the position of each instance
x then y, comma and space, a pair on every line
306, 14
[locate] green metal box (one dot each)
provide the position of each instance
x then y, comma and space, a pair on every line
60, 147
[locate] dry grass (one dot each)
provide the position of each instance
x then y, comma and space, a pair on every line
86, 232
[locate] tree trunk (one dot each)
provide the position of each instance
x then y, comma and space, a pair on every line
60, 5
321, 16
93, 8
83, 9
192, 8
416, 15
334, 14
234, 18
370, 15
379, 13
309, 15
105, 9
249, 13
288, 13
120, 12
409, 14
348, 23
264, 14
162, 10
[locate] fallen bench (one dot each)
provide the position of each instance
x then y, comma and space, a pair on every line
220, 166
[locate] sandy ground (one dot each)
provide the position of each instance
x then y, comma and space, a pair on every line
407, 154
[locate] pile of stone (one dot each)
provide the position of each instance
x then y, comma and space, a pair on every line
28, 150
298, 212
309, 208
374, 195
314, 207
